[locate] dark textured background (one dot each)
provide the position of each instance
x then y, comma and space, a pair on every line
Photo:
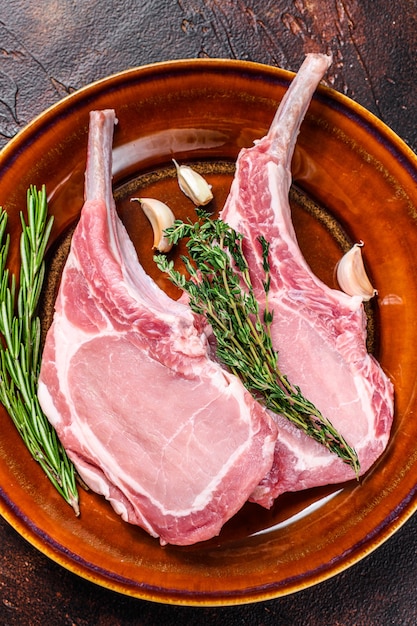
50, 48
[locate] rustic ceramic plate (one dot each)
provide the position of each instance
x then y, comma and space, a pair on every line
354, 179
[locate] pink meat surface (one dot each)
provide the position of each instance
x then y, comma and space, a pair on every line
174, 442
320, 333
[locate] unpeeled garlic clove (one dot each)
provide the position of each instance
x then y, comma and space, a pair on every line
351, 274
193, 185
161, 217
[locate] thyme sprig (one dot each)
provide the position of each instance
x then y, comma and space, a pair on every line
220, 288
20, 354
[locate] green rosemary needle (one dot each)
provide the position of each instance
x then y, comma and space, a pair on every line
220, 289
20, 355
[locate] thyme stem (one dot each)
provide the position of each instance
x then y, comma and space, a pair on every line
220, 288
20, 353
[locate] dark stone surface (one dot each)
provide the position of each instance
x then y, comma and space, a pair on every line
50, 48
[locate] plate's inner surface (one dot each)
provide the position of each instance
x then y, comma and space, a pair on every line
322, 240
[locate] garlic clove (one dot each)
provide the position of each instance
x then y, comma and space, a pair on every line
161, 217
193, 185
351, 274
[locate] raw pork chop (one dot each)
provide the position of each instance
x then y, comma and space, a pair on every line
174, 442
320, 333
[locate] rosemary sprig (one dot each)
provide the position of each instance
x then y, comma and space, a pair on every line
20, 345
220, 289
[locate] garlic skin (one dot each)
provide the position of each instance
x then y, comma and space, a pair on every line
193, 185
351, 274
161, 217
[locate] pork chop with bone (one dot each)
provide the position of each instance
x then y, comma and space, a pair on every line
319, 332
171, 439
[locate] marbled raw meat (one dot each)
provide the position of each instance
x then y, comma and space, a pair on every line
173, 441
320, 333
